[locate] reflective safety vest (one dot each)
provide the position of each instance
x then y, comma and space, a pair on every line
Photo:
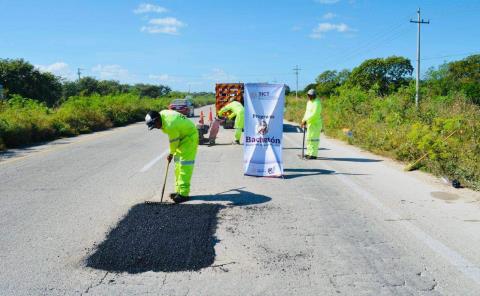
177, 127
235, 107
313, 113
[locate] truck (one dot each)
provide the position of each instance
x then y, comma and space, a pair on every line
223, 93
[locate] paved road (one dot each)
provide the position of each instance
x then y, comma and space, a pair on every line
73, 222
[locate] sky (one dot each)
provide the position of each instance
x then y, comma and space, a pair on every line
190, 45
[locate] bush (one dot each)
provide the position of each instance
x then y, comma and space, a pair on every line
24, 121
393, 126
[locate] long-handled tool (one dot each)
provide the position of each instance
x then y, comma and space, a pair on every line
165, 181
163, 188
303, 144
413, 165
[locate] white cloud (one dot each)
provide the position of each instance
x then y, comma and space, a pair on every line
329, 16
167, 25
149, 8
327, 1
323, 28
111, 72
59, 69
219, 75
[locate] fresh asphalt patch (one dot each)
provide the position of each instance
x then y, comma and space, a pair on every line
168, 238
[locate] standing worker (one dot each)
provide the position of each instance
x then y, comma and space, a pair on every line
313, 121
238, 111
183, 137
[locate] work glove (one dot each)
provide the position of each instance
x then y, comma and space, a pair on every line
169, 158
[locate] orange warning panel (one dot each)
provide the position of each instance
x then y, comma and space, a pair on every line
225, 91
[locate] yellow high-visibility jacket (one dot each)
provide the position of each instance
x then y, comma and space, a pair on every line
177, 127
313, 113
235, 107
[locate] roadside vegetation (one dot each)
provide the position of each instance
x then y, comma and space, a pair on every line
40, 106
376, 102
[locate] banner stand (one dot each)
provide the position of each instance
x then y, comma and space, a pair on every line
263, 131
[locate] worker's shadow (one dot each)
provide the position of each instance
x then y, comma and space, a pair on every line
296, 173
166, 238
240, 198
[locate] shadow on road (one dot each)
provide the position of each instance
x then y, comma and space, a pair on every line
350, 159
241, 198
300, 148
312, 172
290, 128
168, 238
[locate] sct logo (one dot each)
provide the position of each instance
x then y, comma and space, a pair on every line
271, 171
260, 94
262, 127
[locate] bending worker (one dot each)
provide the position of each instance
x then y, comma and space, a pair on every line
238, 111
183, 137
313, 121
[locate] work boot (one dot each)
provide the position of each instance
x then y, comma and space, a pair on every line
236, 142
180, 198
172, 195
311, 157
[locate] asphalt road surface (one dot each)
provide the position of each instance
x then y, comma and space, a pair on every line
73, 221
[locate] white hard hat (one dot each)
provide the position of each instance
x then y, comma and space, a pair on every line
311, 92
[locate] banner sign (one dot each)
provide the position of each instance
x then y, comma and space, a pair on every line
263, 130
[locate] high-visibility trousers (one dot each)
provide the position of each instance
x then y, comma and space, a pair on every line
313, 138
184, 163
239, 123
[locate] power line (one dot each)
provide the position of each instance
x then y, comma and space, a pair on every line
450, 55
419, 22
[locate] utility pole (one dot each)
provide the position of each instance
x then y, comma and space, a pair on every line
79, 73
296, 69
419, 22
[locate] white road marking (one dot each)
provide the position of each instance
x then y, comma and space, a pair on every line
154, 161
466, 267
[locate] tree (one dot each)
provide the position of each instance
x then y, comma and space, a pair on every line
287, 90
464, 75
384, 76
151, 91
20, 77
328, 81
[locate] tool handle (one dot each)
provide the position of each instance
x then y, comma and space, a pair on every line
165, 181
303, 143
426, 154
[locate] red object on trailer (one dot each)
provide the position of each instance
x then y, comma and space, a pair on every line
214, 130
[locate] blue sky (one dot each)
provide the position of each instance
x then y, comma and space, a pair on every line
189, 44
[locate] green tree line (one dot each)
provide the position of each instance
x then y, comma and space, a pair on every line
19, 77
385, 76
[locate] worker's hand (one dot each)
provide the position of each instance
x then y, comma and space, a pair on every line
303, 124
169, 158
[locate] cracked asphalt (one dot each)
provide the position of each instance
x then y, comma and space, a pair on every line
74, 222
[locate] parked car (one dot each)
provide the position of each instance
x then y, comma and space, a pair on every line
183, 106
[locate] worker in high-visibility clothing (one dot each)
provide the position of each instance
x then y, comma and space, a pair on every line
238, 111
183, 137
313, 121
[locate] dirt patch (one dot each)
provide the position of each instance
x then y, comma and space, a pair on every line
444, 195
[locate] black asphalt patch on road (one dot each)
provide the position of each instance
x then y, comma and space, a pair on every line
168, 238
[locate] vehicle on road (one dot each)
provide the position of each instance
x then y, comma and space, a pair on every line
223, 93
184, 106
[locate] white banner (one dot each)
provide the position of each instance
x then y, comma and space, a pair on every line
263, 130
